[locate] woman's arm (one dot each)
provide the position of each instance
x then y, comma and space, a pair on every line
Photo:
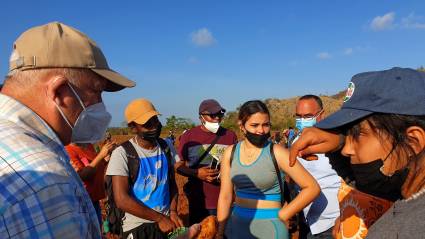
225, 198
309, 187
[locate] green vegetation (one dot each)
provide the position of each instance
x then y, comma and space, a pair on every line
178, 123
282, 111
282, 115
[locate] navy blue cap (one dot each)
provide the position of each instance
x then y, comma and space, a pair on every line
395, 91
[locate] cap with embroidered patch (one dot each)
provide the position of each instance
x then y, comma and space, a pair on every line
56, 45
394, 91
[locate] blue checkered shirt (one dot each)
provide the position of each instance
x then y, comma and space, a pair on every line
41, 196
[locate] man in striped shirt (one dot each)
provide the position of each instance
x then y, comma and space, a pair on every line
51, 97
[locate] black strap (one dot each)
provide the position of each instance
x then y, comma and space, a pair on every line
195, 165
166, 149
279, 176
284, 196
132, 162
232, 154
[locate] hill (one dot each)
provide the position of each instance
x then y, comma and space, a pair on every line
282, 110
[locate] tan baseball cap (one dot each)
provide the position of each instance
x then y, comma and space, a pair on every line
58, 45
140, 111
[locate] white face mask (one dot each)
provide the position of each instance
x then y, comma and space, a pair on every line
91, 124
212, 127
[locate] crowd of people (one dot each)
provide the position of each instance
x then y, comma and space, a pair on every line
356, 173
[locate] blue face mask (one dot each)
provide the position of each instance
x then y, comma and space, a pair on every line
301, 123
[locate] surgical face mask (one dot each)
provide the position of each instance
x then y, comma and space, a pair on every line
259, 140
370, 179
212, 127
91, 124
301, 123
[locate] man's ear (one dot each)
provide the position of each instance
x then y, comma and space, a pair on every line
416, 138
56, 87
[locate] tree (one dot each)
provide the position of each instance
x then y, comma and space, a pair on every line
178, 123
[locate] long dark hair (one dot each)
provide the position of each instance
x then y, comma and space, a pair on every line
392, 128
252, 107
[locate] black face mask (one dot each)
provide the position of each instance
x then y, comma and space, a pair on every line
370, 180
152, 135
259, 140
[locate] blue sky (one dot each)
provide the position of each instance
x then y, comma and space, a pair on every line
181, 52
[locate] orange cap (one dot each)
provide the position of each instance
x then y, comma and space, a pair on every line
140, 111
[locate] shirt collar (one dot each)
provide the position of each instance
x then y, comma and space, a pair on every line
16, 112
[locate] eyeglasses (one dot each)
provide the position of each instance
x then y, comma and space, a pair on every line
216, 115
308, 116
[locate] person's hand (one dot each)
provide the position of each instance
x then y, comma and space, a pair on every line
166, 225
194, 230
335, 230
312, 141
176, 219
206, 174
283, 216
107, 149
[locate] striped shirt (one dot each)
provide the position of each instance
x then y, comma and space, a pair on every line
41, 196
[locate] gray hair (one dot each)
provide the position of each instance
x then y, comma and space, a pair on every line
26, 80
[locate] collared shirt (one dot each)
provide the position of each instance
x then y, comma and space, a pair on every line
322, 212
41, 196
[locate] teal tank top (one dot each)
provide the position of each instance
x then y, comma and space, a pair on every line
258, 180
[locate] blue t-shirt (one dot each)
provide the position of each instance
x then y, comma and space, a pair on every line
151, 187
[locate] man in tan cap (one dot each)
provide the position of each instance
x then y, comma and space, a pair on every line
51, 97
142, 173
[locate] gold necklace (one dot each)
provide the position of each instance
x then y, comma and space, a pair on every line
250, 155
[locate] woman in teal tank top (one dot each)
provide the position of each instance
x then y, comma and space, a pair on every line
249, 202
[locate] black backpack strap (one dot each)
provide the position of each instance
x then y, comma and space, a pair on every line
279, 176
132, 162
232, 154
166, 149
195, 165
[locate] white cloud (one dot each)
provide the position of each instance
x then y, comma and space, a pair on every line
384, 22
202, 38
323, 55
348, 51
413, 22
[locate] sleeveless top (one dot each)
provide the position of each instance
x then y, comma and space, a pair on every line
257, 180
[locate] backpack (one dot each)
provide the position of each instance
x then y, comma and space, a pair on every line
114, 215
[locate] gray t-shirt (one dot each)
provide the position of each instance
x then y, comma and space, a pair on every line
151, 187
405, 219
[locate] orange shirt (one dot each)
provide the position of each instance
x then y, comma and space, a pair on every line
358, 211
80, 158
